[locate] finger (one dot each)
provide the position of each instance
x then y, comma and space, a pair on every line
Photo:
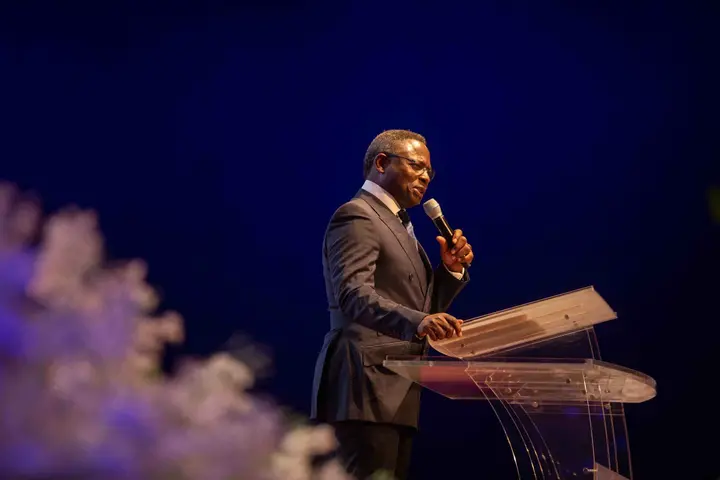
427, 331
446, 327
437, 331
442, 242
469, 258
456, 235
459, 245
457, 325
464, 251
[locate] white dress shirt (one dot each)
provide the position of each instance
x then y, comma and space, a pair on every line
381, 194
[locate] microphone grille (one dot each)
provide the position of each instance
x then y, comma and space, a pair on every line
432, 209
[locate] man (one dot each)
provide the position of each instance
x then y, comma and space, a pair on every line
384, 299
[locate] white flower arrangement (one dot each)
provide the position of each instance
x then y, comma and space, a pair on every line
83, 395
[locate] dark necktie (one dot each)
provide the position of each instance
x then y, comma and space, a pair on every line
404, 217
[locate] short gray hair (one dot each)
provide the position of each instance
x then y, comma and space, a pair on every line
386, 142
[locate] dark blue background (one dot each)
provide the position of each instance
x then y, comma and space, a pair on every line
574, 144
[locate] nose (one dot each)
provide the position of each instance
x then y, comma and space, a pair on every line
425, 178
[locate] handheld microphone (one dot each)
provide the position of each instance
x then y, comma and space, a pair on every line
433, 210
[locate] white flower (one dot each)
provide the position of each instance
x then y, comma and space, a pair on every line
332, 470
306, 440
83, 397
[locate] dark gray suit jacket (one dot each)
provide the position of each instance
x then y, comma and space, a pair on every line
379, 288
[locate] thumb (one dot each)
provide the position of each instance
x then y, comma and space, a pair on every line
442, 242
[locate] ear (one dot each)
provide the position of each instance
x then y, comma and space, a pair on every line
381, 162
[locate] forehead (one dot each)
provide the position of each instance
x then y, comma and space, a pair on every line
414, 149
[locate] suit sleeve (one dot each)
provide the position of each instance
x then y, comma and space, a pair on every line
446, 288
352, 249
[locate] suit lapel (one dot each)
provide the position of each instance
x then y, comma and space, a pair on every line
401, 234
426, 263
429, 271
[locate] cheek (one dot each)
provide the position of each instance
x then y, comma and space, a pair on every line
409, 179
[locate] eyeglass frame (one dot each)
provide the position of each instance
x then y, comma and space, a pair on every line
414, 164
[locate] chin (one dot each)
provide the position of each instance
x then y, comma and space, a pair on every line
413, 201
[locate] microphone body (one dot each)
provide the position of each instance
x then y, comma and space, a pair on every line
433, 210
444, 228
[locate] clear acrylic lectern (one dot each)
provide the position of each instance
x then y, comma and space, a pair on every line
538, 365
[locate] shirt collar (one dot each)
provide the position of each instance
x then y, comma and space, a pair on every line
382, 195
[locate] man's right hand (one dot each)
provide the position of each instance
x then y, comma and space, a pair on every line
439, 326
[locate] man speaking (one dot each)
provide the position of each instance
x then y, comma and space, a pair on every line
384, 299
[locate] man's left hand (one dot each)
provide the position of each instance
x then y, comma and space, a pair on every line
457, 253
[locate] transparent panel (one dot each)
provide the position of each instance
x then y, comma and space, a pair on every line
561, 417
539, 383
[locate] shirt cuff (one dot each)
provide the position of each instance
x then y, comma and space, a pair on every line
458, 275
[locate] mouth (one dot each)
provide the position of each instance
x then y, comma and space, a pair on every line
419, 190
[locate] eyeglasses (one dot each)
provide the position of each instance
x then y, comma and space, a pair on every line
415, 165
